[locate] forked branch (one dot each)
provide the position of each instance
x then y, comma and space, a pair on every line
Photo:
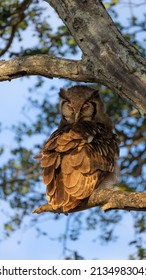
106, 53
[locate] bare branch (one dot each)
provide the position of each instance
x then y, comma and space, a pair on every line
44, 65
9, 41
16, 17
107, 199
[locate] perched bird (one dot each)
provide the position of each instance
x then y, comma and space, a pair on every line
81, 154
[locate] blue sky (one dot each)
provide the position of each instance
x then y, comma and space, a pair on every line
25, 243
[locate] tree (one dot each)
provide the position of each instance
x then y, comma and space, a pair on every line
108, 59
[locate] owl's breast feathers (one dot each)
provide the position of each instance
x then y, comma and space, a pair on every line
75, 160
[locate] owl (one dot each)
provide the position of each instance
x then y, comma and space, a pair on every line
82, 153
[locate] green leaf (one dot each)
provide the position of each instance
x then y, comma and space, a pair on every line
8, 227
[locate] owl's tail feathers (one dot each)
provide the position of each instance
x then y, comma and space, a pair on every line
56, 193
73, 203
60, 199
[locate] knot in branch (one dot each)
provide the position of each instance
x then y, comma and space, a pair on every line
78, 23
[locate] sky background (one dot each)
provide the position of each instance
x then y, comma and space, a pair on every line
26, 243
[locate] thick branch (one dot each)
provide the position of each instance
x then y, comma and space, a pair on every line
107, 55
44, 65
107, 199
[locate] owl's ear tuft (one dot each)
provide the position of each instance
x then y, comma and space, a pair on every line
62, 93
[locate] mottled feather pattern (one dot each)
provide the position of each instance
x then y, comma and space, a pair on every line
81, 154
68, 160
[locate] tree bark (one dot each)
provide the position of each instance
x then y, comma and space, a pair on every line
44, 65
106, 54
107, 199
107, 57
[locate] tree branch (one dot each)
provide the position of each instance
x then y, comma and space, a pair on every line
107, 199
16, 17
107, 55
44, 65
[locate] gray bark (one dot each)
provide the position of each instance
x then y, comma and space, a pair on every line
106, 54
107, 57
106, 199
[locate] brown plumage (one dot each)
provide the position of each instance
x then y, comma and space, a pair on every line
81, 154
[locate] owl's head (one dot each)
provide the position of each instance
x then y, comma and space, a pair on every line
81, 103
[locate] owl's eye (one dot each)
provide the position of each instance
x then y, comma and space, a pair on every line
85, 106
67, 105
67, 110
87, 110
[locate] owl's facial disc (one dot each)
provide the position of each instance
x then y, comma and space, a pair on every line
74, 111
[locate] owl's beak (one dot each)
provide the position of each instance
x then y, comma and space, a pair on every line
77, 116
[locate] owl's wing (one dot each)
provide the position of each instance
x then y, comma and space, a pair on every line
84, 168
72, 167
